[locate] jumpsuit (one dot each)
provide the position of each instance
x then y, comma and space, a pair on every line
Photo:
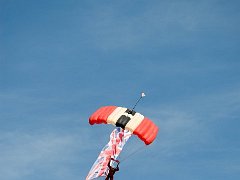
111, 172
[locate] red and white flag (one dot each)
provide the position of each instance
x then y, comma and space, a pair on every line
118, 138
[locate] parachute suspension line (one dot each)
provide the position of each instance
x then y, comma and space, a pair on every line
142, 95
133, 153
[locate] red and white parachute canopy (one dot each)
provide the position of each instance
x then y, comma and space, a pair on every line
128, 119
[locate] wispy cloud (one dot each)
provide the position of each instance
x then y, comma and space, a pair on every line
26, 154
22, 154
154, 24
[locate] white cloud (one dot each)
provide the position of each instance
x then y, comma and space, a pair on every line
25, 154
158, 23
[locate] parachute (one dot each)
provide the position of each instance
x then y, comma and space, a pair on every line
128, 119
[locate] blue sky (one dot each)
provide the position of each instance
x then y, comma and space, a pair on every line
61, 60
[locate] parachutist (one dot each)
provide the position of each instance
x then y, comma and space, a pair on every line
128, 123
112, 170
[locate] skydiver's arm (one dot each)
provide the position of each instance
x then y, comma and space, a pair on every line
109, 162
